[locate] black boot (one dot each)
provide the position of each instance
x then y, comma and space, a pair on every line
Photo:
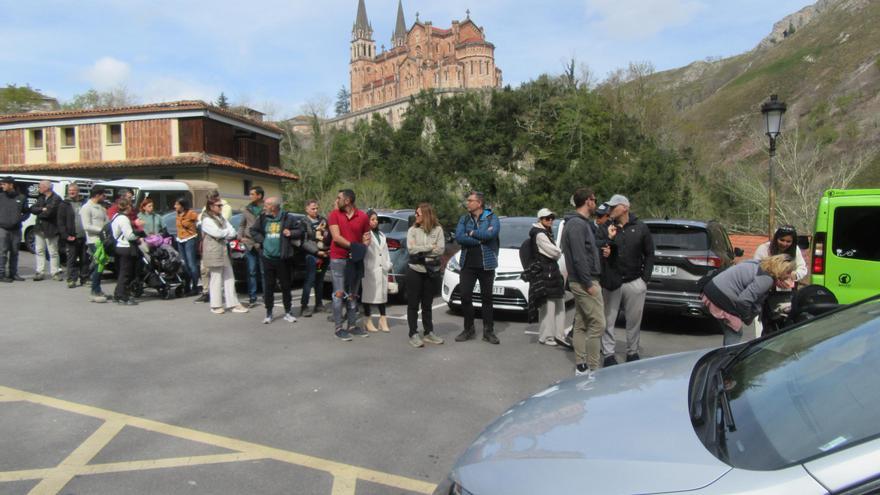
489, 336
466, 334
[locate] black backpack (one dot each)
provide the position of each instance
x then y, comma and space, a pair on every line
108, 240
527, 257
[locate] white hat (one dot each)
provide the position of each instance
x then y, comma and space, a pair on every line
545, 212
618, 199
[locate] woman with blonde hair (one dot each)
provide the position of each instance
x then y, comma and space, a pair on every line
734, 297
425, 243
216, 233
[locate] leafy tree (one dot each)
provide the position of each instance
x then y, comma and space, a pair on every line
17, 99
91, 99
343, 101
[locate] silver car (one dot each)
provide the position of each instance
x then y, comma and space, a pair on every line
798, 413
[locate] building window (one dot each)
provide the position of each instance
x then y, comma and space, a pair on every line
68, 137
36, 139
114, 134
248, 185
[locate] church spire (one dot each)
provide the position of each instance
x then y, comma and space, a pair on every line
362, 28
399, 36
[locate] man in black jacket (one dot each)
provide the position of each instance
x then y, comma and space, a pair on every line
73, 235
13, 211
633, 264
46, 232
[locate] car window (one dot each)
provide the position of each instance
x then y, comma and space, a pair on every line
386, 224
170, 220
235, 220
401, 225
851, 238
679, 237
807, 392
718, 243
513, 233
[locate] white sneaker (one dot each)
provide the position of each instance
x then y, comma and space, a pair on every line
289, 318
267, 320
239, 309
585, 373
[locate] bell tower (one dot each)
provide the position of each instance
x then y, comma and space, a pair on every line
362, 44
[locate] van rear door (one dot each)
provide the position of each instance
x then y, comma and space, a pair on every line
852, 260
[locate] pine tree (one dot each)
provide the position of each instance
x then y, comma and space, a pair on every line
343, 101
222, 101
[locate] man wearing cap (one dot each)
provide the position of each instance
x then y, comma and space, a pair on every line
13, 211
582, 262
634, 264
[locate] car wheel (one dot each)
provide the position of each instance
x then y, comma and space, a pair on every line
30, 240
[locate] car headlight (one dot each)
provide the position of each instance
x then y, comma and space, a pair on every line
453, 265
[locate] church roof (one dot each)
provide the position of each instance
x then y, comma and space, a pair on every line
400, 29
361, 23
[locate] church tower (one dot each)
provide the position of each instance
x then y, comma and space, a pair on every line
399, 37
362, 44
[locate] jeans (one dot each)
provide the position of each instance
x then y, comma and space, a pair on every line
469, 277
420, 291
276, 270
77, 261
124, 271
9, 242
254, 272
188, 253
41, 245
314, 278
95, 274
344, 290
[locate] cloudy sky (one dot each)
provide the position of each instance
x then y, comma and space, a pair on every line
278, 55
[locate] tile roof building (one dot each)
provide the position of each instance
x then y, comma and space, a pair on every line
421, 57
176, 140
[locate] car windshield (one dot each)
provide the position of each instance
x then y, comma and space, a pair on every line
679, 237
807, 392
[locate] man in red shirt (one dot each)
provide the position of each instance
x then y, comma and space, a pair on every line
350, 228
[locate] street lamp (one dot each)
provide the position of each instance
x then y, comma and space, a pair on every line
773, 109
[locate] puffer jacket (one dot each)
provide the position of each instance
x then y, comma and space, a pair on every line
484, 233
545, 278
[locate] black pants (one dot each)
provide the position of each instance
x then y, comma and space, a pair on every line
276, 271
77, 260
380, 306
420, 290
469, 277
124, 258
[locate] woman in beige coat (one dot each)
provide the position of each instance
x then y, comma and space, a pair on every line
377, 266
216, 232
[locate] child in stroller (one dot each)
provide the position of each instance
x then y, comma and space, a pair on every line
161, 269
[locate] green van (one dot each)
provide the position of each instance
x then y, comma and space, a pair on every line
846, 244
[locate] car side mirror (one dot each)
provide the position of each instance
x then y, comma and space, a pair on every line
737, 252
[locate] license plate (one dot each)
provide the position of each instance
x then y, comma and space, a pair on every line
665, 271
496, 290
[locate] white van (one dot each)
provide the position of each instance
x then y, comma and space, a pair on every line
163, 192
27, 185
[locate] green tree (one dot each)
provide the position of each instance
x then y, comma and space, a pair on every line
18, 99
91, 99
343, 101
222, 101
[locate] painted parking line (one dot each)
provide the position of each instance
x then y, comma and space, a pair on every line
53, 480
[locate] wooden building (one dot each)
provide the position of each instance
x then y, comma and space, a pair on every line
177, 140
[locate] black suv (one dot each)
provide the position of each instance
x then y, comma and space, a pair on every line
684, 252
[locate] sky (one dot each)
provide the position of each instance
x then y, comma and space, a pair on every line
280, 55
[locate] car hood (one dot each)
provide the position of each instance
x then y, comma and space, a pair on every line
508, 261
626, 430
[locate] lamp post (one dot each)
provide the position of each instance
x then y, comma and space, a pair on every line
773, 109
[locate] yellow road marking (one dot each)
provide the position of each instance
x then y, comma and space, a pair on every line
81, 456
345, 476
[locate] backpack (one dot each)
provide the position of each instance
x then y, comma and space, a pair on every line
108, 240
527, 257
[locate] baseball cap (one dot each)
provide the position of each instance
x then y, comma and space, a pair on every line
617, 199
603, 209
545, 212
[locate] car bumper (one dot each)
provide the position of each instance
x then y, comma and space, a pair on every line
685, 303
513, 298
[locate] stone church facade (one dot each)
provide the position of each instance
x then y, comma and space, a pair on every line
421, 57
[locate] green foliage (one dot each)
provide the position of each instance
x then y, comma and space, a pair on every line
17, 99
222, 100
91, 99
343, 101
525, 149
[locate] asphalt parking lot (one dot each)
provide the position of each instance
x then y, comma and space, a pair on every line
166, 397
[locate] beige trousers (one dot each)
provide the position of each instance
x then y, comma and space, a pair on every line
589, 324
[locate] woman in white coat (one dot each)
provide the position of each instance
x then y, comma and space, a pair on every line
216, 232
377, 266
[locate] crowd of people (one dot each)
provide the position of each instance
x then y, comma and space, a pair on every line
608, 254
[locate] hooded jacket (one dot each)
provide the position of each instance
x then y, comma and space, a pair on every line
580, 250
13, 210
482, 232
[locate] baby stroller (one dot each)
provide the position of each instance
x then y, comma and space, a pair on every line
783, 309
160, 268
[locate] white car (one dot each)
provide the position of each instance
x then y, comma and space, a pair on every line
510, 292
